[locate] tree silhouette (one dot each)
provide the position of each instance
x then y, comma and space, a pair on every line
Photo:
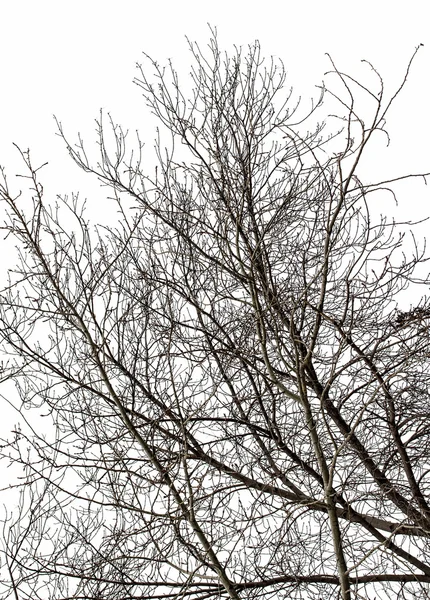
237, 405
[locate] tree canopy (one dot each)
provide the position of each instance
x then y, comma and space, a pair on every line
236, 404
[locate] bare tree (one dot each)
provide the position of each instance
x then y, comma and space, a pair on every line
236, 405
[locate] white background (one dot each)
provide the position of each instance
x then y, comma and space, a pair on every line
71, 58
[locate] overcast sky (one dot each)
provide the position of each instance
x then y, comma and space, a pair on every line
71, 58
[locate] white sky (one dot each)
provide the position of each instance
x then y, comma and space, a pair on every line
71, 58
